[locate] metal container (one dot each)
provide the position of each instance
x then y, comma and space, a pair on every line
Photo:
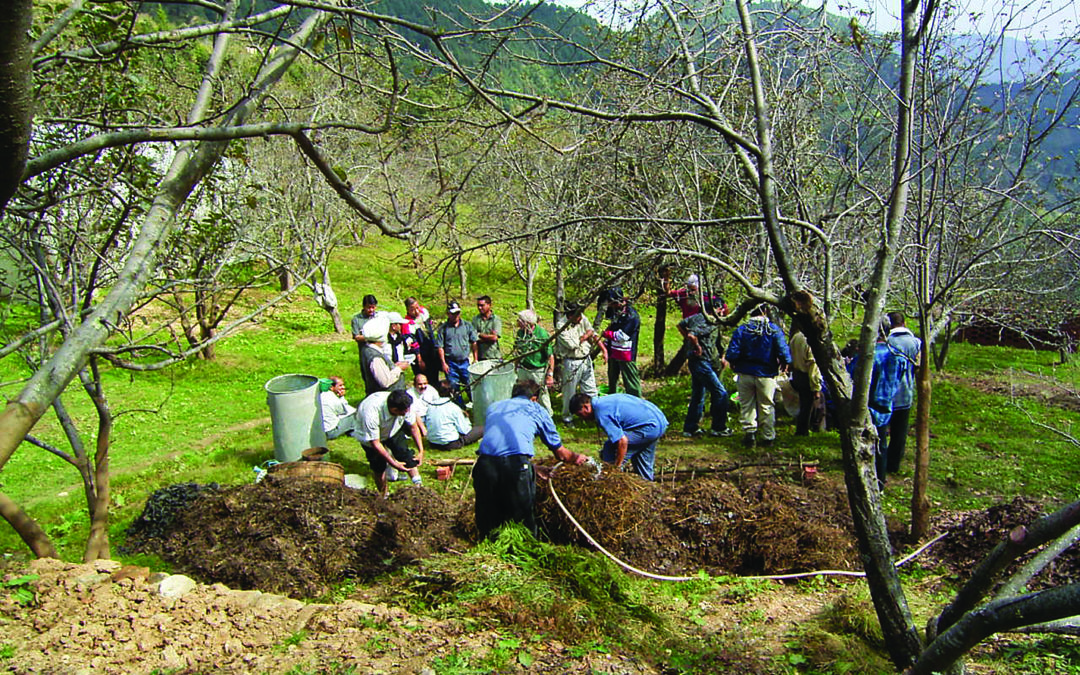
296, 415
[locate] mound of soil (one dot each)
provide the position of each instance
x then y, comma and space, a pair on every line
755, 527
972, 535
299, 537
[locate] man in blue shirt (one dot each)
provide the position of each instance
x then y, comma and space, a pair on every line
632, 424
884, 381
908, 349
757, 352
504, 479
456, 344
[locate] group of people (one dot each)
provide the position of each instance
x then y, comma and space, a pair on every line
434, 410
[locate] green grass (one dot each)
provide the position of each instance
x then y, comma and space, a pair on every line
208, 422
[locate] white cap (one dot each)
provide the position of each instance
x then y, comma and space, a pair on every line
692, 280
394, 317
376, 328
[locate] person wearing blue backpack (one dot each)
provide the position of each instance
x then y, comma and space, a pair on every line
908, 349
884, 381
757, 353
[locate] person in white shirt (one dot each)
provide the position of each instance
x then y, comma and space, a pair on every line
382, 420
338, 417
423, 395
447, 426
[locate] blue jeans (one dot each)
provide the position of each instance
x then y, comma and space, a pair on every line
459, 377
703, 377
641, 456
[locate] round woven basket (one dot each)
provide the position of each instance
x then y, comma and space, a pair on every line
324, 472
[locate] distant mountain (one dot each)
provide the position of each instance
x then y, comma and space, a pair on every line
1014, 60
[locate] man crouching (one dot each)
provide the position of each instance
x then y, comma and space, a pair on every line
381, 423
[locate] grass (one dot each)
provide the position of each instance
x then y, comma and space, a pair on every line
208, 422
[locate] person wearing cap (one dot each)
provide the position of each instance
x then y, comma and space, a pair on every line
632, 425
621, 340
704, 351
338, 417
504, 478
379, 372
369, 312
574, 342
456, 344
535, 356
758, 352
688, 298
488, 326
884, 382
382, 421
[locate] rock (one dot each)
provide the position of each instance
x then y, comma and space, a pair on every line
171, 657
107, 565
133, 572
245, 598
91, 579
175, 586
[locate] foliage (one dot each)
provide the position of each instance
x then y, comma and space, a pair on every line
21, 589
519, 581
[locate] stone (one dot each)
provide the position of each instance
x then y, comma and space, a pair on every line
175, 586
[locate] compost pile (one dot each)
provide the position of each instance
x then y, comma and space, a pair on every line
299, 537
971, 536
750, 527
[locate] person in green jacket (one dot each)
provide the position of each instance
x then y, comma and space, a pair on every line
534, 355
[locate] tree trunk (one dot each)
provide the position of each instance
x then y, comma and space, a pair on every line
659, 329
874, 547
560, 290
530, 282
286, 280
97, 543
920, 497
16, 95
27, 528
941, 347
463, 277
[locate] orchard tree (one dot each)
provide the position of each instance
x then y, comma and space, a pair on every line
101, 100
702, 66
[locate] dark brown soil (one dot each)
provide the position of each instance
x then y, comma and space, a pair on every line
299, 537
972, 535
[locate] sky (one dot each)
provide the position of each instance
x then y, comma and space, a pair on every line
1031, 19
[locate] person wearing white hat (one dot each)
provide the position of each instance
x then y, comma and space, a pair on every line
380, 373
399, 345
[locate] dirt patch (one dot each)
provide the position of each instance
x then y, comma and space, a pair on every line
1026, 385
755, 526
300, 537
105, 619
